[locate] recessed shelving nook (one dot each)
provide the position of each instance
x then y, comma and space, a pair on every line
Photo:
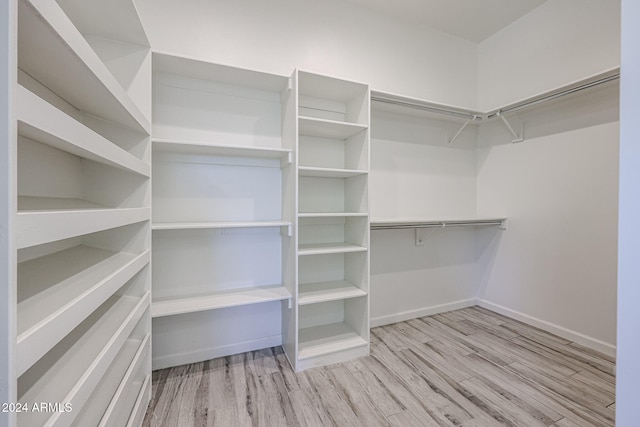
223, 214
82, 212
332, 220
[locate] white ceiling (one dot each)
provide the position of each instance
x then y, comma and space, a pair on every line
474, 20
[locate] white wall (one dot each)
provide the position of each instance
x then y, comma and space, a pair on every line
416, 173
555, 265
557, 43
628, 369
329, 36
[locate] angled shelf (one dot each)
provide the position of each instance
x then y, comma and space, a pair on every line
323, 128
52, 301
42, 122
55, 53
204, 148
312, 293
132, 353
216, 300
326, 339
329, 248
329, 172
76, 365
49, 221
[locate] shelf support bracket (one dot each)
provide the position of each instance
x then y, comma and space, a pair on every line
516, 137
464, 125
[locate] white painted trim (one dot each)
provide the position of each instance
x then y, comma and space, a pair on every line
421, 312
577, 337
178, 359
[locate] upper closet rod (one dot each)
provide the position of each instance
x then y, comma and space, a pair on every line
549, 97
429, 108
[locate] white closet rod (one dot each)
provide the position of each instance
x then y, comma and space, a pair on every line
550, 97
429, 108
479, 116
440, 224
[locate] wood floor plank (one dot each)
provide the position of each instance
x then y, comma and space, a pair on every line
356, 397
466, 368
513, 414
516, 384
593, 352
387, 403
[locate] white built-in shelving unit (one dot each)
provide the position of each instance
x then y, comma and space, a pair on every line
81, 227
332, 220
222, 210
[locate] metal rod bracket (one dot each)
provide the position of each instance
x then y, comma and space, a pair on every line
516, 137
464, 125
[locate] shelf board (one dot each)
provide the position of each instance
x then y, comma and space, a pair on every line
416, 222
94, 409
75, 367
321, 340
126, 389
50, 219
218, 224
329, 172
201, 147
312, 293
223, 299
54, 52
56, 292
329, 248
42, 122
331, 214
311, 126
202, 70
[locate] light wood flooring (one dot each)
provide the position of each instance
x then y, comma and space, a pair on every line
469, 367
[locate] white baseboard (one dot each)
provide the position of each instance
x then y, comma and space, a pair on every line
177, 359
587, 341
421, 312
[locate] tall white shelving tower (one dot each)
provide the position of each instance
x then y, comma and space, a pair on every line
80, 209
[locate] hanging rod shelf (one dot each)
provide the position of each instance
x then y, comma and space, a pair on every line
478, 116
414, 223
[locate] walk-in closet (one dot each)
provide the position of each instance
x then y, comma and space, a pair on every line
337, 213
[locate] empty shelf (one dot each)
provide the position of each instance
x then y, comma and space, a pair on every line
325, 339
331, 214
195, 147
329, 248
311, 293
99, 401
329, 172
54, 52
50, 219
42, 122
218, 224
75, 367
56, 292
215, 300
322, 128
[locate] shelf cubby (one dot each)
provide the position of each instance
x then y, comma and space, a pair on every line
197, 270
331, 328
201, 188
42, 122
62, 283
198, 101
333, 195
53, 51
333, 276
332, 235
72, 369
331, 99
